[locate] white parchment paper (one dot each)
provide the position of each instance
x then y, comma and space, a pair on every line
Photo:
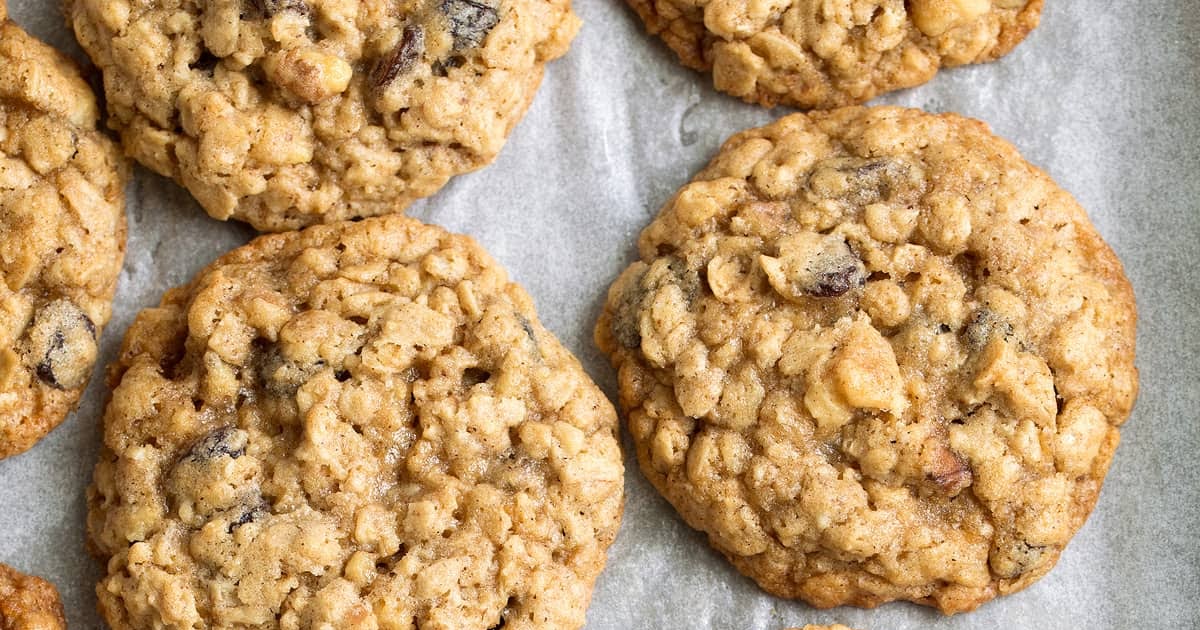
1103, 95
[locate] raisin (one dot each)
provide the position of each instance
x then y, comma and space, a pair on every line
833, 269
283, 376
249, 514
401, 59
222, 442
984, 325
640, 281
412, 374
836, 281
669, 271
867, 181
442, 67
530, 333
687, 279
271, 8
470, 22
873, 181
1011, 557
626, 318
62, 339
812, 265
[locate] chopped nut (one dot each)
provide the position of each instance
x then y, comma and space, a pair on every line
310, 74
949, 472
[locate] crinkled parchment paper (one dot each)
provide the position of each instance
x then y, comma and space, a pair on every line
1103, 96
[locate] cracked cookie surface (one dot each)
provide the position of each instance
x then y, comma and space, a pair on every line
357, 425
62, 225
830, 53
875, 355
28, 602
286, 113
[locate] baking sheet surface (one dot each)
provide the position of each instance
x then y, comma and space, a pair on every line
1103, 95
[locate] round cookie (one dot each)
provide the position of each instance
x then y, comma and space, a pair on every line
286, 113
359, 424
28, 602
836, 626
62, 223
821, 54
875, 355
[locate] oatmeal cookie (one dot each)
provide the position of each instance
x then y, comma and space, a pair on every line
822, 53
286, 113
28, 602
875, 355
836, 626
357, 425
62, 225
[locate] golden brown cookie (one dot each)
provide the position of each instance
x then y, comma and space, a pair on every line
62, 225
875, 355
356, 425
829, 53
286, 113
28, 602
